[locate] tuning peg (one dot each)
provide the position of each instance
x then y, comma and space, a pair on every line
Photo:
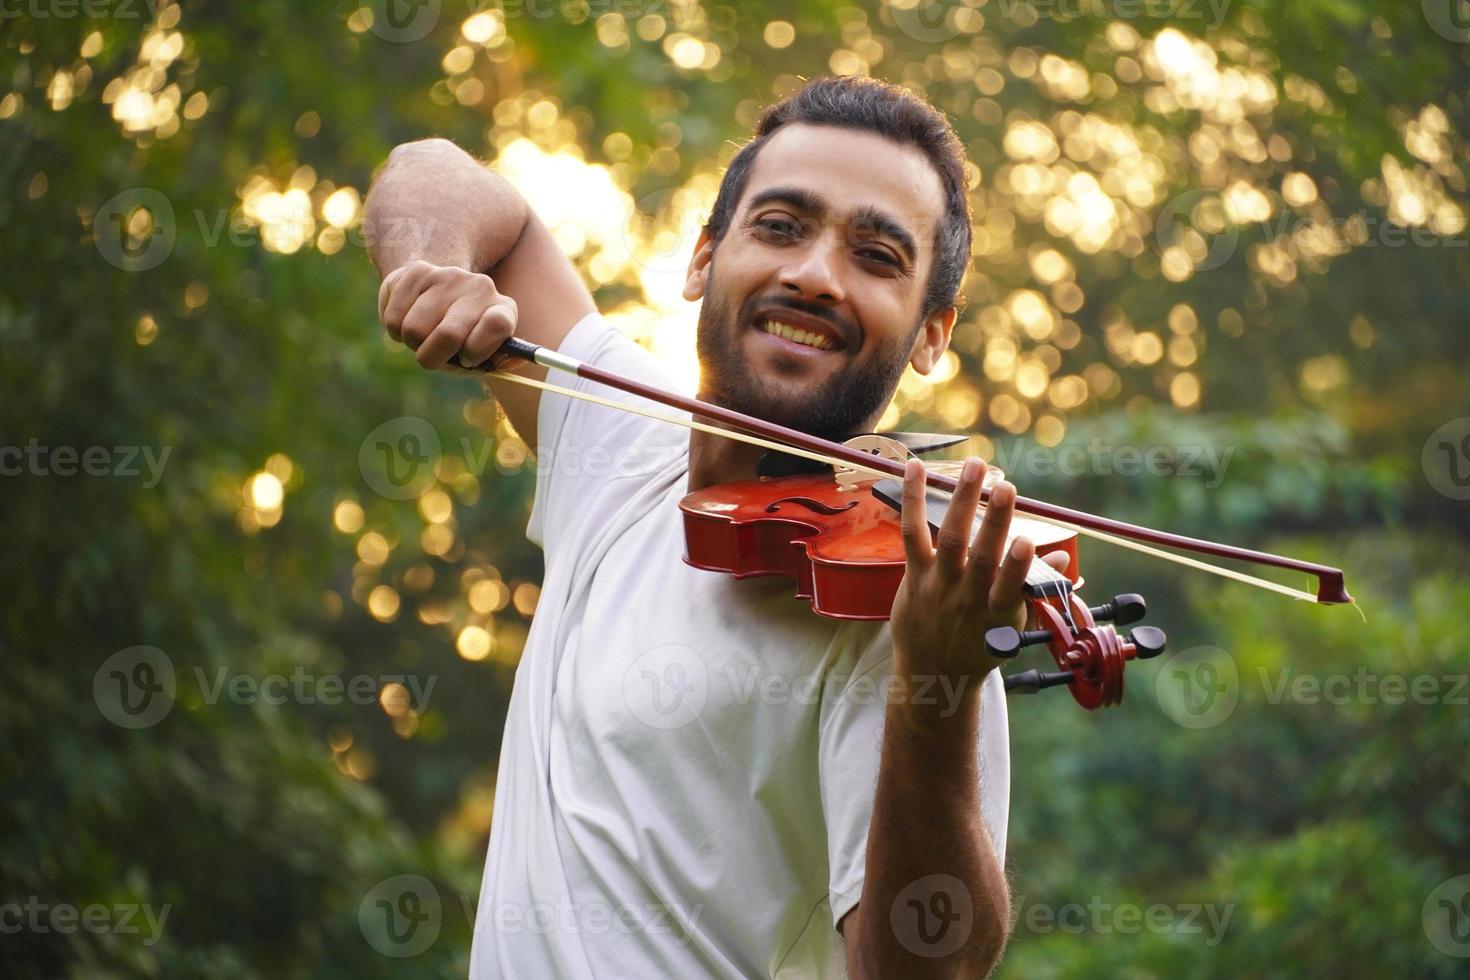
1031, 681
1121, 610
1004, 642
1148, 642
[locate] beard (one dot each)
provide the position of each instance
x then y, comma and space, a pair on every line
836, 409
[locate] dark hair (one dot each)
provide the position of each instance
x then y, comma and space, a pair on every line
855, 102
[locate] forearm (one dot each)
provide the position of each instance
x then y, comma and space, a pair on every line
435, 202
927, 821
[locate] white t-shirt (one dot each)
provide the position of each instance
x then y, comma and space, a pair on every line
689, 759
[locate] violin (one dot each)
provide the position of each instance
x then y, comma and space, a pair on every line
837, 537
843, 547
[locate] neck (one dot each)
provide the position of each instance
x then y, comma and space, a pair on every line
714, 460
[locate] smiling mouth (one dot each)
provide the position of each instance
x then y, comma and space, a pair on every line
802, 336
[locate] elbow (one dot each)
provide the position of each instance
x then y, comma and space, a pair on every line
426, 159
874, 952
429, 148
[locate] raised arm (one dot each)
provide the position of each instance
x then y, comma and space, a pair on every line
465, 262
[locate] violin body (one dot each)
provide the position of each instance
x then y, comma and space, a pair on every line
843, 548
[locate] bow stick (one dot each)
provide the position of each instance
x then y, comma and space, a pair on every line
1331, 588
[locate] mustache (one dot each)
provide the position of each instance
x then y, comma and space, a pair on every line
846, 329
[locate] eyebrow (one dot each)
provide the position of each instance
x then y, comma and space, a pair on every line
881, 222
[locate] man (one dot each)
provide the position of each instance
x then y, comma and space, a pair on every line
700, 777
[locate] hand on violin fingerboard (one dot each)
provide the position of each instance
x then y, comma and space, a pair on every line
956, 586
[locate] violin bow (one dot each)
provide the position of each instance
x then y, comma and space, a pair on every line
1330, 587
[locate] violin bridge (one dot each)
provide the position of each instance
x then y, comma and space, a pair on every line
849, 478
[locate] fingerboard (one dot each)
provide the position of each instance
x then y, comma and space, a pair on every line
1041, 579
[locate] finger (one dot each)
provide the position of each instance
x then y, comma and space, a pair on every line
415, 311
917, 547
422, 314
489, 332
384, 291
1058, 560
1007, 592
959, 520
990, 541
446, 339
391, 283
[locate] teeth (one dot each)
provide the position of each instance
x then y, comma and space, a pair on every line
806, 338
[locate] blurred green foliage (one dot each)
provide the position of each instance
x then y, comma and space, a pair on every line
1322, 827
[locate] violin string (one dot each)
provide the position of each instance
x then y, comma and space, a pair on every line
763, 443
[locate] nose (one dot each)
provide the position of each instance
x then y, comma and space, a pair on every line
814, 273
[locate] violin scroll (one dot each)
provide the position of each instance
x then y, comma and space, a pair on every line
1084, 642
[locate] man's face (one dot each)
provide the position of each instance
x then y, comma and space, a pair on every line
813, 308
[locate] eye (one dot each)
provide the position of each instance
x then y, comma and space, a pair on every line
778, 228
880, 255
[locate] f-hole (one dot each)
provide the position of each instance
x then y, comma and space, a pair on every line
811, 504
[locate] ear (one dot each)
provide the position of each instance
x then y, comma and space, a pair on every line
698, 275
932, 339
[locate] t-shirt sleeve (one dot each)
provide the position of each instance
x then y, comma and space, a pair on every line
851, 742
591, 455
